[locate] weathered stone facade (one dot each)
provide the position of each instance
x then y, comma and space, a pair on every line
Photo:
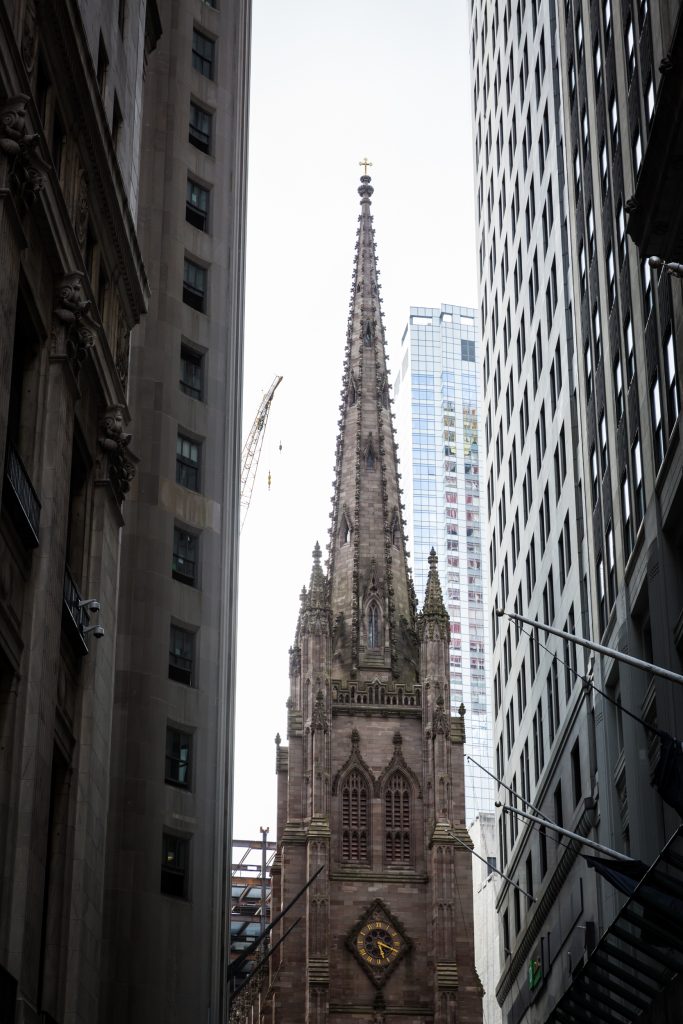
72, 284
370, 785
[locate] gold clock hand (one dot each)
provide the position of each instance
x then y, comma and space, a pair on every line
382, 946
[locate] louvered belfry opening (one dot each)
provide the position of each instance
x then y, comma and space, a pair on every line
355, 818
397, 820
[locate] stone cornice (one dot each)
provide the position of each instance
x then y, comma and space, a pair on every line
102, 167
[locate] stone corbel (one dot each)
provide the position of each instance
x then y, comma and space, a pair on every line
115, 463
73, 329
23, 169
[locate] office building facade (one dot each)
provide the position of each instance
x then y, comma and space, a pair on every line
534, 495
572, 122
116, 711
168, 853
72, 287
437, 392
621, 71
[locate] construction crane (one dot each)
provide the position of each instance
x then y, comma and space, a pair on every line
251, 453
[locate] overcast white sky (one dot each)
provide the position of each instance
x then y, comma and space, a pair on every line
333, 81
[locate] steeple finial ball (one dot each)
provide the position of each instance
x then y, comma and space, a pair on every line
433, 559
317, 553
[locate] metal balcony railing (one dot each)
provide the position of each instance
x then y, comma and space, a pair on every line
22, 497
77, 617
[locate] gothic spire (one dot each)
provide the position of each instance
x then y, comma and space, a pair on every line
433, 609
367, 566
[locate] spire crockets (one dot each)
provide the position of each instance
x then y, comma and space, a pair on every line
370, 588
433, 610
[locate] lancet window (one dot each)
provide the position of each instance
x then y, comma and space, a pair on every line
373, 627
397, 820
355, 814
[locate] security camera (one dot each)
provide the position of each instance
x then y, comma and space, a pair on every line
97, 631
91, 603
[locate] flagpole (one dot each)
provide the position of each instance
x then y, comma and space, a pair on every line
565, 832
609, 652
507, 878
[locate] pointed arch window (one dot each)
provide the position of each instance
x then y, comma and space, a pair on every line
397, 820
373, 627
344, 532
352, 392
354, 798
370, 458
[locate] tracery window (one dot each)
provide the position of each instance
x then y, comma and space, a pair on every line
397, 820
373, 627
354, 797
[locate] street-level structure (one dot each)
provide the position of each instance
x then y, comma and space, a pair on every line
370, 783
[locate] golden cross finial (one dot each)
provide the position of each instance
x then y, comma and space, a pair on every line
365, 163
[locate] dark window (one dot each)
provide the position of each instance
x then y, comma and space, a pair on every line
175, 856
191, 372
397, 820
543, 850
57, 141
626, 518
529, 881
491, 864
181, 655
187, 462
185, 556
373, 627
630, 45
102, 66
116, 122
638, 489
200, 127
657, 424
576, 772
203, 53
122, 16
506, 934
672, 404
630, 350
178, 757
558, 805
194, 285
467, 350
611, 565
517, 915
197, 205
355, 818
618, 388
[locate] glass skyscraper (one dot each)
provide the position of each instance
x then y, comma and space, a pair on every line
437, 402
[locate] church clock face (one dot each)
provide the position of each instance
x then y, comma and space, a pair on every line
378, 942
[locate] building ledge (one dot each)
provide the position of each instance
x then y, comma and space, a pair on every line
656, 214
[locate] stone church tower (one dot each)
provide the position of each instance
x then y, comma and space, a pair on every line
371, 782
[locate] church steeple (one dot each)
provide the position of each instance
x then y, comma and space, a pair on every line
371, 592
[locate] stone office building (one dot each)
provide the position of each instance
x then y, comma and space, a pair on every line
72, 287
168, 853
371, 782
117, 673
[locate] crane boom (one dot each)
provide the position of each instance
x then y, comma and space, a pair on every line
251, 453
